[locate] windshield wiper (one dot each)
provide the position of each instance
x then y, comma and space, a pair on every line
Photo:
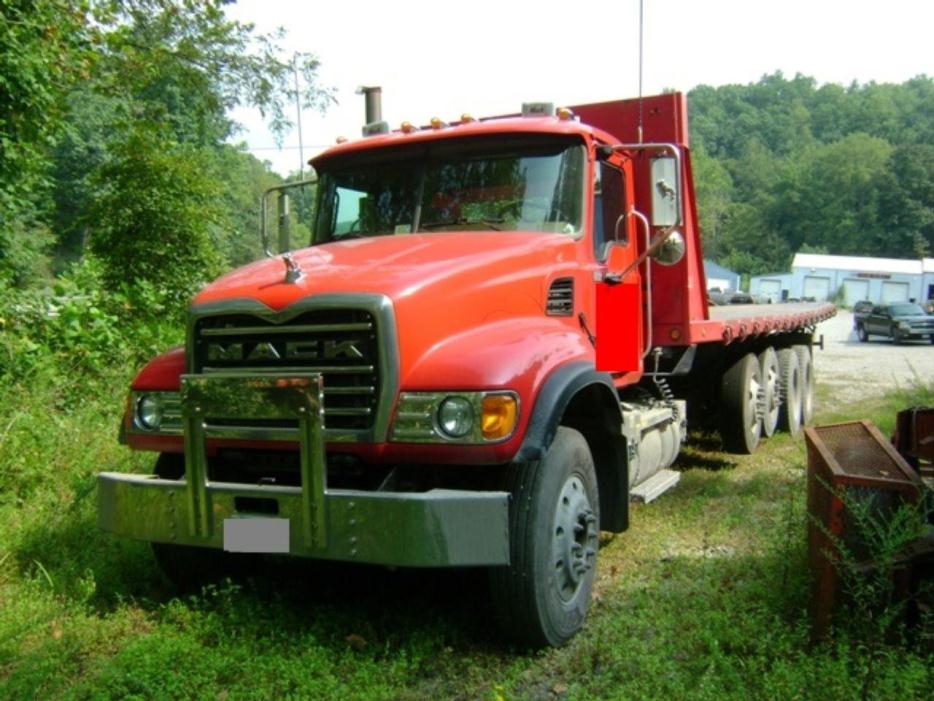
461, 221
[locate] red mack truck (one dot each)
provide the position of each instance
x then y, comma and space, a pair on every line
496, 336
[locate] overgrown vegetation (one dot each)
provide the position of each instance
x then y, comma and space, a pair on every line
704, 598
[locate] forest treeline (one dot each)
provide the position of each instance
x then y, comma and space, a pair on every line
785, 165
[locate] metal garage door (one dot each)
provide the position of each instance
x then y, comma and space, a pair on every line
855, 290
816, 287
894, 291
771, 289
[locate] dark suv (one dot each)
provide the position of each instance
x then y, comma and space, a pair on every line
900, 322
861, 310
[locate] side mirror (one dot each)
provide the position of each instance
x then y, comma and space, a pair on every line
671, 250
666, 192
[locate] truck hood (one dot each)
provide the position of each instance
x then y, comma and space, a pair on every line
452, 265
441, 285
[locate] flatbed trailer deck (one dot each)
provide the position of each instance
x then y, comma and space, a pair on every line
738, 322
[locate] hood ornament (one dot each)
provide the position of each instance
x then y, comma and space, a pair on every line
293, 273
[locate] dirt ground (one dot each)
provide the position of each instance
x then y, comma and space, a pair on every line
853, 369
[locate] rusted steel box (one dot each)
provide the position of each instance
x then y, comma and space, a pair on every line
914, 437
850, 461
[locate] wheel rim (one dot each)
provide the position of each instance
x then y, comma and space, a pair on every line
772, 400
753, 390
574, 545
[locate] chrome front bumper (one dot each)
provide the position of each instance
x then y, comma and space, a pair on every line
438, 528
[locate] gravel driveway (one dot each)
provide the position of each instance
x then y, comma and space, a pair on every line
855, 369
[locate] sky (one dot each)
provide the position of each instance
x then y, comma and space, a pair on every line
483, 57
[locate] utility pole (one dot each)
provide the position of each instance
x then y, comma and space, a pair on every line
298, 109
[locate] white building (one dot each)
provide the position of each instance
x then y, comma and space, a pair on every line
821, 277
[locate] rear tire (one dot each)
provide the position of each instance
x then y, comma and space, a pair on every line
808, 388
789, 413
543, 596
740, 398
771, 392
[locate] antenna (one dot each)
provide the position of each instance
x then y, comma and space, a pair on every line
641, 24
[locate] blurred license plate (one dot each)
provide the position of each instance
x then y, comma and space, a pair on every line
256, 535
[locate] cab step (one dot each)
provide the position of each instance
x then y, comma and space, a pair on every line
655, 486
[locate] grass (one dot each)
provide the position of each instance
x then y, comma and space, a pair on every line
704, 597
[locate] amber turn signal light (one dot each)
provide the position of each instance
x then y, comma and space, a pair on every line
499, 413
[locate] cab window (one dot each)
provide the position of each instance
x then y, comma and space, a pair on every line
609, 207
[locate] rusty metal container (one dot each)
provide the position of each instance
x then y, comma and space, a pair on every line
914, 438
847, 462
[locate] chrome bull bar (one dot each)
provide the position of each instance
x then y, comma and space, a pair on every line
436, 528
239, 396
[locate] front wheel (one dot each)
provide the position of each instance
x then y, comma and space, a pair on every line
896, 335
189, 567
543, 596
861, 333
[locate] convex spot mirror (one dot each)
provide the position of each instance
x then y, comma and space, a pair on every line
666, 192
671, 251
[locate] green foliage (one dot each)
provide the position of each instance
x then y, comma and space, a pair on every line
704, 599
785, 166
154, 216
81, 82
41, 55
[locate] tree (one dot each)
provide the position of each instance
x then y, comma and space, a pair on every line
156, 217
42, 53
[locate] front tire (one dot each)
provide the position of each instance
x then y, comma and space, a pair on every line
543, 596
861, 333
189, 567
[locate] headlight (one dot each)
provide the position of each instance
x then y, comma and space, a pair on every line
455, 417
156, 411
462, 417
904, 325
149, 412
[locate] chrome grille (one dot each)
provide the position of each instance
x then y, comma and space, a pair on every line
341, 344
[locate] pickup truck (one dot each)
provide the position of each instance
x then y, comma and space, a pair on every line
900, 322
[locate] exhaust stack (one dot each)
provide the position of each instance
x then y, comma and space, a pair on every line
374, 110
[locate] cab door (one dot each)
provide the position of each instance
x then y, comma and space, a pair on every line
619, 319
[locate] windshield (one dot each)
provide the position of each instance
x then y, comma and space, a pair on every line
528, 184
906, 310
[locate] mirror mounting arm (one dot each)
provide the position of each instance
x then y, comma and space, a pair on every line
264, 236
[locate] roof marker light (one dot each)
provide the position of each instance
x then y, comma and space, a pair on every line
437, 123
408, 127
565, 114
467, 118
342, 139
